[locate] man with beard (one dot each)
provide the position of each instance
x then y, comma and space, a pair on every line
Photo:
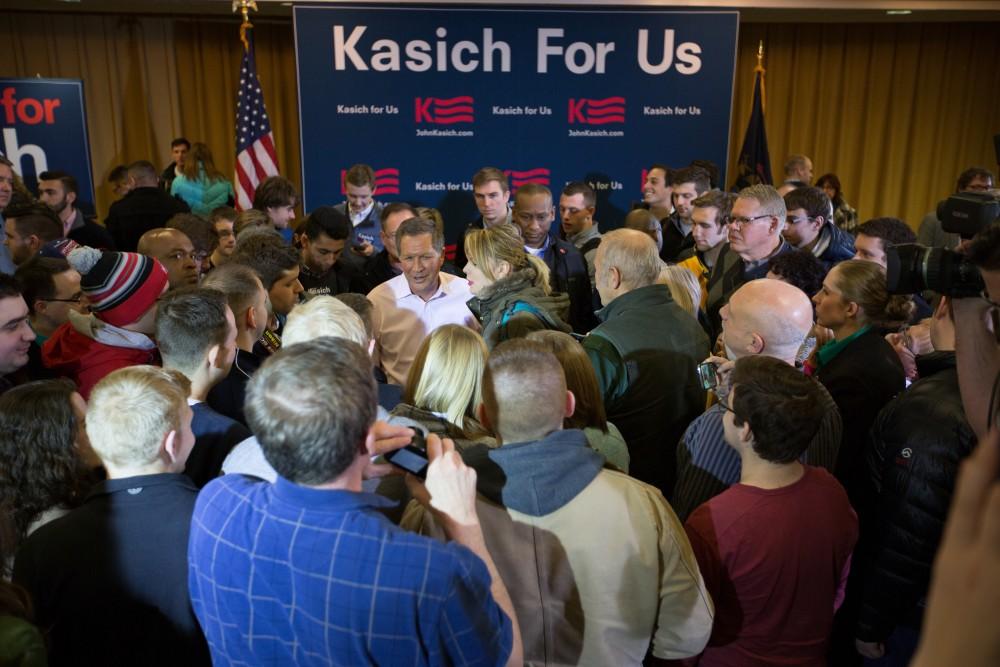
59, 191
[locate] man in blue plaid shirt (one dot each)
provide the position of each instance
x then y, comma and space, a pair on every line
306, 571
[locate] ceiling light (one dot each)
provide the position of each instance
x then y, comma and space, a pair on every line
898, 12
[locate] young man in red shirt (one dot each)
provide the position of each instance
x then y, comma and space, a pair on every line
775, 549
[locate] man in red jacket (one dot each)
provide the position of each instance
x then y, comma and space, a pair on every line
122, 289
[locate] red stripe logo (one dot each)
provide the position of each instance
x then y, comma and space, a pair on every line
386, 181
539, 175
588, 111
444, 111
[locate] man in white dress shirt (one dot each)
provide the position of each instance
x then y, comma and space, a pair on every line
410, 306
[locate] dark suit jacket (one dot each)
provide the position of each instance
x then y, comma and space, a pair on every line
862, 379
139, 211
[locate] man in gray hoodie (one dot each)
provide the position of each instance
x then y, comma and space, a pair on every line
596, 562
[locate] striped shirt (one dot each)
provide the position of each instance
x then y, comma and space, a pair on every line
707, 466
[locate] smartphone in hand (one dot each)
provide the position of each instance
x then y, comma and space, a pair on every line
413, 457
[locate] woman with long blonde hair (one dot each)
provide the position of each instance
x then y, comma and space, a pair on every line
445, 384
512, 296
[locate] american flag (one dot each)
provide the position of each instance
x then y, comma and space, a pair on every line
255, 156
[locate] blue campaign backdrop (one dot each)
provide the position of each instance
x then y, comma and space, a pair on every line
428, 96
45, 128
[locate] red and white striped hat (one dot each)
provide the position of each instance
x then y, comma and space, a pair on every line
120, 286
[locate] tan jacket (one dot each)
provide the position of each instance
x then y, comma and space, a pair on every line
593, 581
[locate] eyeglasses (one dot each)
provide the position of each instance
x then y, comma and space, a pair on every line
740, 221
76, 298
180, 255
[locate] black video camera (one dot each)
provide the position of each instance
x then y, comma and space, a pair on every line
967, 213
912, 268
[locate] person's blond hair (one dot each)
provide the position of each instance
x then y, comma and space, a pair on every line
684, 287
486, 248
130, 412
323, 316
447, 375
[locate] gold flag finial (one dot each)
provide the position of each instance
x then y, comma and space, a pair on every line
759, 69
244, 6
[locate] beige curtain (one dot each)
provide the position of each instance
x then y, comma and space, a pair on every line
150, 79
896, 110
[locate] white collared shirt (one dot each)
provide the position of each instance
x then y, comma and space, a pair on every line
401, 320
358, 217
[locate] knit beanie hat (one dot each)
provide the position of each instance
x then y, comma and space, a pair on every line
58, 249
120, 286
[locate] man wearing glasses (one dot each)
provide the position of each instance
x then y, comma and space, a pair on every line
809, 226
533, 214
51, 290
174, 250
755, 225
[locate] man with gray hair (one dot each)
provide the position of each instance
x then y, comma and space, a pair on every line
764, 317
645, 353
410, 306
543, 543
306, 569
798, 173
755, 224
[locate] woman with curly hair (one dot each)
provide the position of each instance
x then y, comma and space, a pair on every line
46, 461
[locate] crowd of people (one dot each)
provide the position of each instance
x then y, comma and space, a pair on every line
713, 436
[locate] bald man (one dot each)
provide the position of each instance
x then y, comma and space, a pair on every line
763, 317
175, 251
645, 353
543, 543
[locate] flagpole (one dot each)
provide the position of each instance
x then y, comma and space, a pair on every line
244, 6
760, 69
256, 156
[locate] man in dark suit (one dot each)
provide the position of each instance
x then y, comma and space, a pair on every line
533, 214
145, 207
196, 331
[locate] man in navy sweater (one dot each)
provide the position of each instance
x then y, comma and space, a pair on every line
196, 331
108, 579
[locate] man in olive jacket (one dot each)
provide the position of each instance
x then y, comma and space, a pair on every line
645, 353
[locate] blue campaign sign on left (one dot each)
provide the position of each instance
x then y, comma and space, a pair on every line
45, 129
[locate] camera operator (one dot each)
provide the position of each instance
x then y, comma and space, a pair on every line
976, 342
932, 232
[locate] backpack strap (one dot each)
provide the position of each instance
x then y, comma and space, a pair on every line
590, 245
520, 307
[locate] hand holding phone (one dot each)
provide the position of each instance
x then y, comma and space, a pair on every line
450, 487
412, 457
388, 438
